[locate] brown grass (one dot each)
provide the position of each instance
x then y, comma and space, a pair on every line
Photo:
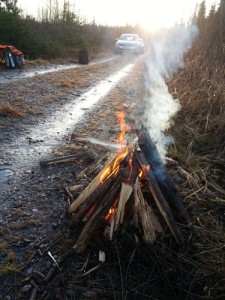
7, 110
3, 246
202, 93
68, 83
36, 62
199, 133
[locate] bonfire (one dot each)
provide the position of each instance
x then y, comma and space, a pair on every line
133, 189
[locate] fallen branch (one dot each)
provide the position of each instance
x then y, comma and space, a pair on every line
81, 139
68, 158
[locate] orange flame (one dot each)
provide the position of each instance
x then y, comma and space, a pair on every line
140, 174
122, 151
111, 211
108, 172
143, 171
120, 118
110, 214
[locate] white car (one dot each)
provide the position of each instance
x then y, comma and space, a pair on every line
129, 43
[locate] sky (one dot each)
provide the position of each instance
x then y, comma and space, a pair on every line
151, 14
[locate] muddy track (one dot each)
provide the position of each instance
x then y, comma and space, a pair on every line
33, 202
38, 112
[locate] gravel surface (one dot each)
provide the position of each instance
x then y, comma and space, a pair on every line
33, 201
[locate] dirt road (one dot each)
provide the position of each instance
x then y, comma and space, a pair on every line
37, 116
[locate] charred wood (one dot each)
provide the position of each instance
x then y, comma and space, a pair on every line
160, 173
91, 201
160, 200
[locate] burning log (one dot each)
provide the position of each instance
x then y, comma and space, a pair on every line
115, 198
97, 181
158, 169
99, 214
160, 200
90, 202
114, 194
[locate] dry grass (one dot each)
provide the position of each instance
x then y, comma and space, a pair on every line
199, 133
69, 83
3, 246
7, 110
36, 62
203, 108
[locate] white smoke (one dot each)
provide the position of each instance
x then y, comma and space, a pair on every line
165, 58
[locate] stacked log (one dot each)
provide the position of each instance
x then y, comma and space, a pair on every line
115, 197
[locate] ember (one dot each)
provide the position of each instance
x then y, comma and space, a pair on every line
115, 196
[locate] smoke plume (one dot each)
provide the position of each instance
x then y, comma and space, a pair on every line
165, 58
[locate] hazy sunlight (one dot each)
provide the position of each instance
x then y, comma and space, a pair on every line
150, 14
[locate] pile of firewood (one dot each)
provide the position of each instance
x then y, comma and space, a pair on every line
135, 189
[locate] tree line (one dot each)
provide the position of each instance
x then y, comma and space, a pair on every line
210, 43
61, 32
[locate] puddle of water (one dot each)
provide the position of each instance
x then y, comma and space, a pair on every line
43, 138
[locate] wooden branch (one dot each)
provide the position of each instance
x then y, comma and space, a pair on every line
95, 182
68, 193
160, 200
125, 193
75, 187
99, 214
92, 199
87, 139
190, 179
89, 190
67, 158
161, 175
93, 166
146, 216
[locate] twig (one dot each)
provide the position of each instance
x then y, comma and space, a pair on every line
34, 294
93, 269
67, 158
69, 194
132, 256
49, 253
121, 274
110, 278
